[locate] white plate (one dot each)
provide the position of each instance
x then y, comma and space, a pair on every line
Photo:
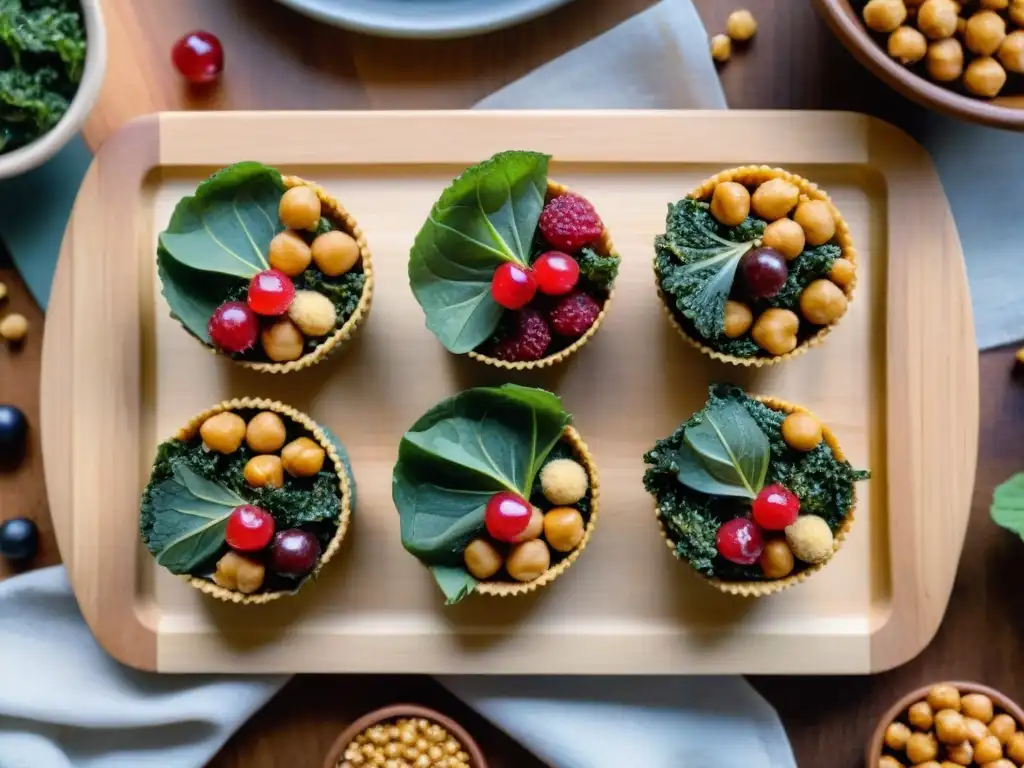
423, 18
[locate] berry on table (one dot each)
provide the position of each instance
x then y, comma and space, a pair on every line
740, 541
513, 286
233, 327
507, 515
19, 539
776, 507
556, 273
569, 222
271, 293
199, 57
573, 315
249, 529
294, 553
13, 431
527, 337
764, 272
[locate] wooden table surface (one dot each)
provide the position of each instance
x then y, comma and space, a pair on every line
277, 59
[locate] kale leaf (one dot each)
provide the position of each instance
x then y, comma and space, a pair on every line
599, 271
696, 262
813, 264
344, 291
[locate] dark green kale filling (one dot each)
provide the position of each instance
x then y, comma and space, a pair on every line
42, 55
695, 263
824, 485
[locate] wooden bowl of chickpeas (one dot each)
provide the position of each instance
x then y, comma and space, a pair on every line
946, 725
964, 58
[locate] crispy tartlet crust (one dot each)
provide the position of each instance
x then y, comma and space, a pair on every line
762, 588
753, 175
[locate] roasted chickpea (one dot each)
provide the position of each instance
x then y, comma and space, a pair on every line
299, 208
563, 528
1016, 12
987, 750
888, 761
984, 77
937, 18
741, 25
303, 457
785, 236
775, 331
1015, 747
223, 432
335, 252
823, 302
289, 253
239, 573
842, 273
774, 199
921, 747
976, 705
984, 33
921, 716
801, 431
776, 559
738, 319
265, 432
945, 60
960, 754
534, 528
482, 559
264, 471
884, 15
976, 730
1002, 727
944, 697
721, 48
949, 727
282, 341
313, 313
896, 736
14, 328
528, 561
817, 221
1011, 52
1000, 763
730, 203
907, 45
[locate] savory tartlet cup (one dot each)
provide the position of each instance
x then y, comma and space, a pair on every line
762, 588
511, 588
753, 175
395, 712
333, 210
604, 247
345, 487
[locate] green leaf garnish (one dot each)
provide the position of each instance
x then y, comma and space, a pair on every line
726, 454
696, 262
456, 582
462, 452
1008, 505
596, 269
487, 216
190, 515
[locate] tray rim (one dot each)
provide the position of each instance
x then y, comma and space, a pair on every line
127, 629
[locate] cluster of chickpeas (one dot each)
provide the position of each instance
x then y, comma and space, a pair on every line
564, 482
740, 27
311, 314
406, 743
945, 33
958, 730
822, 302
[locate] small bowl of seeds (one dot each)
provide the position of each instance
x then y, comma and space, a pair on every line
949, 724
405, 736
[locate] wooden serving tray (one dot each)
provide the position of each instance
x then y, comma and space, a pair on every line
897, 380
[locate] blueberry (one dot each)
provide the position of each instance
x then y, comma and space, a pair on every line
19, 539
13, 430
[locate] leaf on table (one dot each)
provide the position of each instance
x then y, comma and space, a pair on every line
726, 454
457, 583
1008, 505
227, 226
487, 216
186, 519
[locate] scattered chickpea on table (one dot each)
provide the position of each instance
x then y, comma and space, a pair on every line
740, 27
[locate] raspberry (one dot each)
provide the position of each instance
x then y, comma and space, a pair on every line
574, 314
527, 337
569, 222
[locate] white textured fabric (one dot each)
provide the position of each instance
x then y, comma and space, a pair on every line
64, 702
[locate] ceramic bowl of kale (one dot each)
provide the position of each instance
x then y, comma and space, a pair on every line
53, 54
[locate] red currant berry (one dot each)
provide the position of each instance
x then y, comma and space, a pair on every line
513, 286
556, 273
776, 507
233, 327
739, 541
250, 529
199, 57
507, 516
271, 293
